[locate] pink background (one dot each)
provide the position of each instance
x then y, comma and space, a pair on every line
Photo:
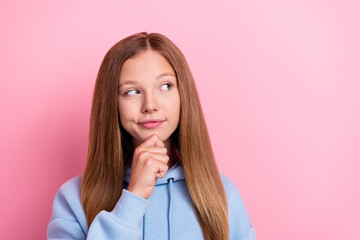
279, 82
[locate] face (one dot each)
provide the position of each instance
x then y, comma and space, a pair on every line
148, 90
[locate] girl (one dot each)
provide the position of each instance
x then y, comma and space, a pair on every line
150, 170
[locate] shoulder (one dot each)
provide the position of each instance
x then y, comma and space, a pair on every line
230, 187
239, 219
71, 189
67, 201
226, 180
72, 184
232, 192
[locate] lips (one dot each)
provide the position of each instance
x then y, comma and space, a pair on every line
151, 123
151, 120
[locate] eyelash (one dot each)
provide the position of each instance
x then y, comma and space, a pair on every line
167, 83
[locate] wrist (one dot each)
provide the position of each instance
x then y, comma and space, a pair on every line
130, 189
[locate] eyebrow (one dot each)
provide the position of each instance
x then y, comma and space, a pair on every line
158, 77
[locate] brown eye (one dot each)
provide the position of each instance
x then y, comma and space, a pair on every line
126, 93
169, 86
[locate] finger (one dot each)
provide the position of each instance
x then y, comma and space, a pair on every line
153, 140
160, 169
154, 149
158, 141
156, 156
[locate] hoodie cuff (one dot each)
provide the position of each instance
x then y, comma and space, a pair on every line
131, 207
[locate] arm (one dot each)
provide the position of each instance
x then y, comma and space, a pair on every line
68, 220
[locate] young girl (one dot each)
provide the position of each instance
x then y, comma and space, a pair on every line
150, 170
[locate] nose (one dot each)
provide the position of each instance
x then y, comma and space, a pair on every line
150, 103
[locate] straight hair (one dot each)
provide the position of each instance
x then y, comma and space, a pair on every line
110, 149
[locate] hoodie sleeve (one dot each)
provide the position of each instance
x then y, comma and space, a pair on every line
68, 220
240, 225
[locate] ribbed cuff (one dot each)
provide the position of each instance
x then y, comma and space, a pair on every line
131, 207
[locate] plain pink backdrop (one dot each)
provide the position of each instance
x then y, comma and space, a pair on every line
279, 83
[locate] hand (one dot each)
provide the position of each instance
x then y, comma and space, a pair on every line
149, 163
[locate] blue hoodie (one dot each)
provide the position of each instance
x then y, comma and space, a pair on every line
167, 214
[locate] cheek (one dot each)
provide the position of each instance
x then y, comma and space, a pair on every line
126, 111
173, 107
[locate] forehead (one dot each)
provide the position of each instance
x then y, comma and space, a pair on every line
148, 64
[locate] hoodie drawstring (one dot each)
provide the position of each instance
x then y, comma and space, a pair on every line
170, 180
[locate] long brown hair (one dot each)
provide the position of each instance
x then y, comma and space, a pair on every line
110, 149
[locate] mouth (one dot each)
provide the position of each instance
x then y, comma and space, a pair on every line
151, 123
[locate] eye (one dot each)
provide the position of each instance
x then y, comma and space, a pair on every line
169, 86
126, 93
133, 91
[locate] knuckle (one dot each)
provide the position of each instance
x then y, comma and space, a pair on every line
143, 154
149, 162
140, 149
137, 150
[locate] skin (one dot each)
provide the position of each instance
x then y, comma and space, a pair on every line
148, 97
